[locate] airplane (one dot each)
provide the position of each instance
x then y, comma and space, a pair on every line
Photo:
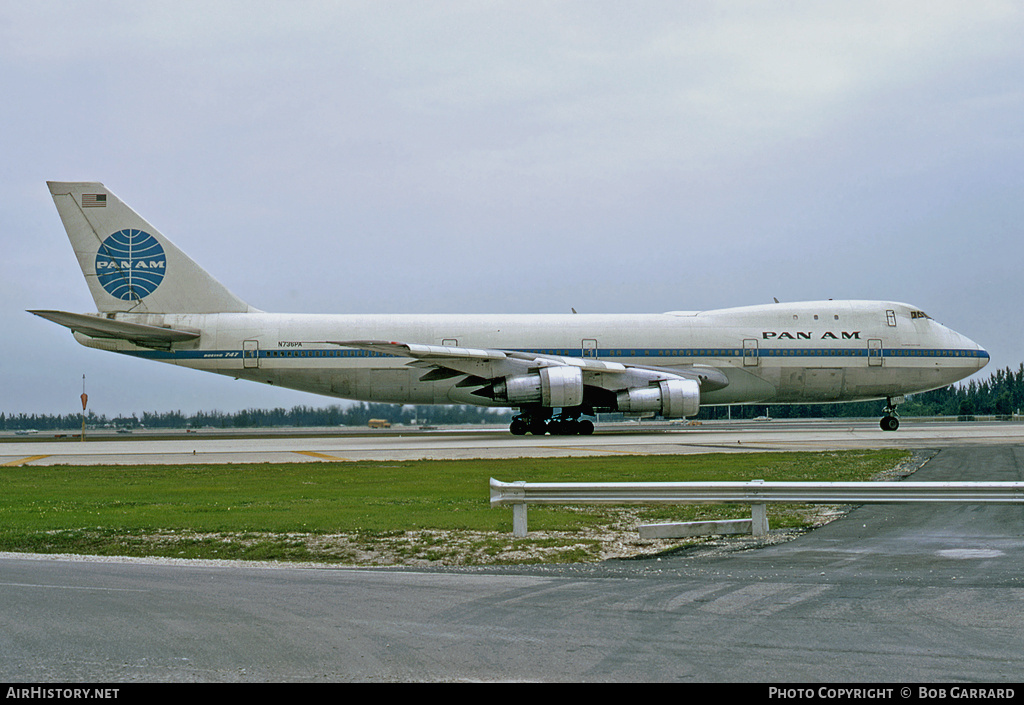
156, 303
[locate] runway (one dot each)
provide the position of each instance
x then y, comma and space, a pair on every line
413, 444
888, 594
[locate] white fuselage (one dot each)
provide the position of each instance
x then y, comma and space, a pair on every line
825, 351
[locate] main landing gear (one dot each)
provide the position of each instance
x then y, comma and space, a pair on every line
890, 422
541, 421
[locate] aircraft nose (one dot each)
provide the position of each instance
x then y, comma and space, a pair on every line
980, 354
983, 357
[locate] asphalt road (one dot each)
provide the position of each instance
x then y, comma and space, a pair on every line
895, 594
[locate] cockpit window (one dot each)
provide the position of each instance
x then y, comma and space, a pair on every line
919, 314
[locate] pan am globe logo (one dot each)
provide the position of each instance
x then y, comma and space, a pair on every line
130, 264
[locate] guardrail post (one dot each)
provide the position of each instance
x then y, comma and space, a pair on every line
513, 493
519, 520
758, 512
759, 519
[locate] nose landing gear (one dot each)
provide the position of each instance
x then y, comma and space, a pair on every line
890, 422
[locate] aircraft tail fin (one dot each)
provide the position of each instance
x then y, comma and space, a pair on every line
129, 265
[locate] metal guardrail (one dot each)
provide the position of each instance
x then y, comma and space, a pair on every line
756, 492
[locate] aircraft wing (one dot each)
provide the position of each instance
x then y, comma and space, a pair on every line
443, 355
483, 364
444, 362
422, 351
95, 327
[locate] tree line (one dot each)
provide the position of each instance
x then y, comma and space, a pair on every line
300, 416
1002, 394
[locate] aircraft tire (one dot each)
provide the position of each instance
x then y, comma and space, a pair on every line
889, 423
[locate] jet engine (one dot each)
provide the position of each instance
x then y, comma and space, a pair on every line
672, 398
556, 386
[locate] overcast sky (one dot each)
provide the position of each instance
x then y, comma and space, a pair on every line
343, 157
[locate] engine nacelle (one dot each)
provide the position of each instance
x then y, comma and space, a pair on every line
556, 386
672, 398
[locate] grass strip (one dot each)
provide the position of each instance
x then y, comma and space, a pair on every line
405, 512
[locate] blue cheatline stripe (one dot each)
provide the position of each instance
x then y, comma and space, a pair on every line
605, 354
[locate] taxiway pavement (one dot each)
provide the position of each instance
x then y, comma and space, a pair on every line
414, 444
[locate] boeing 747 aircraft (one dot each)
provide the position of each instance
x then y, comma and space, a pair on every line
156, 303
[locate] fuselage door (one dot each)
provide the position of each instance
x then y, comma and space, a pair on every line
874, 353
750, 356
589, 347
250, 354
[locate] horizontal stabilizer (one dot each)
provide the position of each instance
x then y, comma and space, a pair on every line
95, 327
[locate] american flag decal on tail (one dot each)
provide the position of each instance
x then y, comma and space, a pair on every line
94, 200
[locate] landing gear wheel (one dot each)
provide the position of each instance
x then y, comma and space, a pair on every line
570, 427
559, 427
541, 421
889, 423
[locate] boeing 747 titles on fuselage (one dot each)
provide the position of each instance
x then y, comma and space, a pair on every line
154, 302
